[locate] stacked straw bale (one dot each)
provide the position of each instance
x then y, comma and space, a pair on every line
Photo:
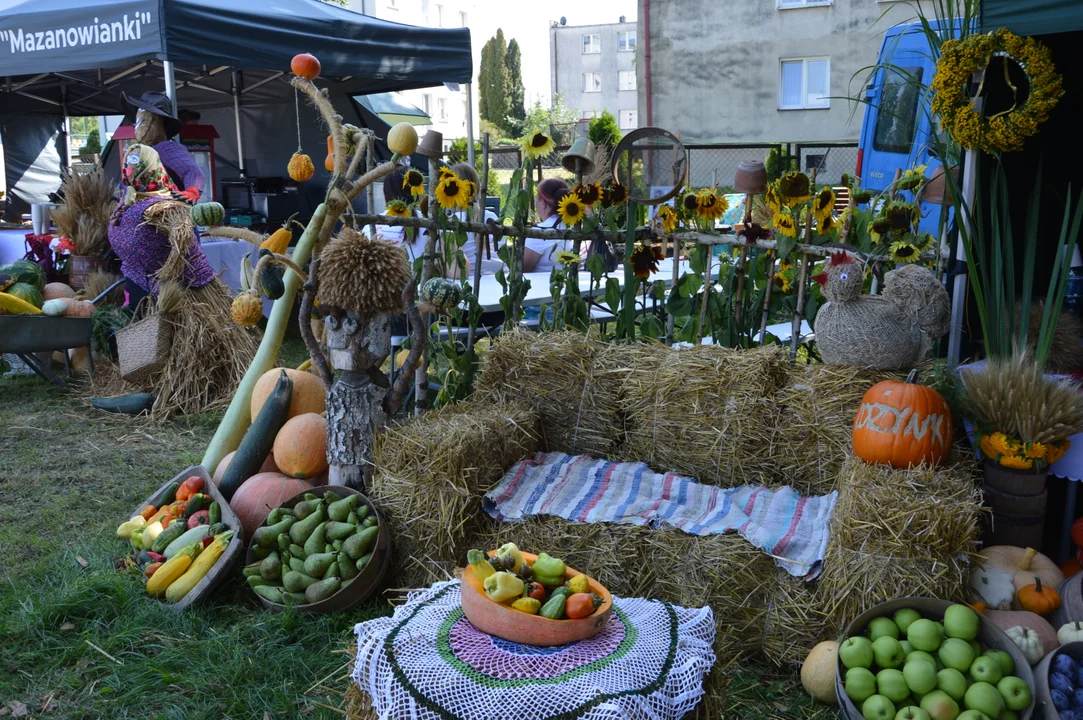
709, 412
568, 379
900, 532
432, 473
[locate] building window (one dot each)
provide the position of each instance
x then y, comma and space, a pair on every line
626, 80
462, 19
441, 108
629, 119
592, 82
804, 83
592, 44
787, 4
439, 16
426, 104
626, 41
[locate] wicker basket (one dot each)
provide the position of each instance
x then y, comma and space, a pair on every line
143, 347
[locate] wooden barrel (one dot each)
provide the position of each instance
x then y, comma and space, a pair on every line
1016, 482
1016, 519
1071, 602
80, 266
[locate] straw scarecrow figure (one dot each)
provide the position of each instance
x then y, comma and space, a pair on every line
362, 285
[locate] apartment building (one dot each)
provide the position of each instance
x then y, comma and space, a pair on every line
593, 67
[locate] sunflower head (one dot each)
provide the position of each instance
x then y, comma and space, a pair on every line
912, 179
904, 251
879, 228
824, 203
397, 208
710, 206
537, 145
927, 241
668, 217
615, 194
690, 203
414, 181
589, 194
571, 209
567, 258
774, 203
900, 215
444, 171
794, 188
451, 193
785, 224
645, 259
827, 225
862, 197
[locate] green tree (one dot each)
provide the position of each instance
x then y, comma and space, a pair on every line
516, 92
493, 81
557, 120
603, 130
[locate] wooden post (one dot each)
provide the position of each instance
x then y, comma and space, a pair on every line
799, 311
767, 296
706, 294
428, 269
480, 240
670, 320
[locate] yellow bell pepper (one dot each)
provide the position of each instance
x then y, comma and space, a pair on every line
509, 555
126, 528
480, 562
502, 586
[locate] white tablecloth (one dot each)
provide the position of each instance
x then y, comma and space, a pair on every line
12, 245
225, 255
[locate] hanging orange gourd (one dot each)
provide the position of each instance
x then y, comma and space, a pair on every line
902, 424
306, 66
329, 163
300, 168
1038, 598
247, 308
279, 240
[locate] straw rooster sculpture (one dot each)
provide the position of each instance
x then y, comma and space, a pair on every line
892, 331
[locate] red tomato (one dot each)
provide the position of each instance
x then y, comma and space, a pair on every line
536, 591
579, 605
189, 487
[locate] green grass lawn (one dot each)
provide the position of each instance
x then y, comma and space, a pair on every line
82, 640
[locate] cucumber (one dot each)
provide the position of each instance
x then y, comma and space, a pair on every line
169, 495
128, 404
269, 593
259, 439
184, 540
197, 502
171, 533
217, 528
215, 513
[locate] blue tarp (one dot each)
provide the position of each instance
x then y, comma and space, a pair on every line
1032, 17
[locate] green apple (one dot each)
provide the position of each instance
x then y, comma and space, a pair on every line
1008, 715
904, 617
1007, 665
913, 712
986, 669
976, 647
940, 706
954, 653
924, 635
920, 676
887, 651
892, 685
907, 647
961, 622
881, 626
878, 707
856, 652
1015, 691
951, 682
974, 715
923, 656
984, 698
860, 684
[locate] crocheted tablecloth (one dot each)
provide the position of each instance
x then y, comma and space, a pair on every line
427, 662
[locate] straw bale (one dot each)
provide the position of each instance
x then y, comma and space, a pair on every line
432, 473
707, 412
900, 532
568, 379
795, 621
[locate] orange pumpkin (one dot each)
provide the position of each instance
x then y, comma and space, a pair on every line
978, 607
300, 447
902, 424
309, 394
55, 290
219, 472
1038, 598
300, 167
306, 66
260, 494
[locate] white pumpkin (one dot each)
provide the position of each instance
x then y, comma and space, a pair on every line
818, 672
1028, 641
55, 308
996, 587
402, 139
1070, 632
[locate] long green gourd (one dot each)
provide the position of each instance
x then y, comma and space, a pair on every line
238, 416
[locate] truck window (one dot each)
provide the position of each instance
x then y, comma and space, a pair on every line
897, 114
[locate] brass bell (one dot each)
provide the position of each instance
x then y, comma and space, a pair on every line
751, 178
580, 157
432, 144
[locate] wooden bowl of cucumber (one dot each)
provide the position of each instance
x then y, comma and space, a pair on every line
334, 560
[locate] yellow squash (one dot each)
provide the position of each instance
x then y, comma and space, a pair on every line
279, 240
198, 569
173, 568
17, 306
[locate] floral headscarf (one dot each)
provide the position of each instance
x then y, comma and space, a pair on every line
144, 175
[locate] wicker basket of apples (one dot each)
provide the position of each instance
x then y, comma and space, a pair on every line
926, 659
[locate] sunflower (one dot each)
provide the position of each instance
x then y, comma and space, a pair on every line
443, 171
862, 197
1056, 451
826, 225
668, 217
451, 193
709, 206
537, 145
998, 442
615, 194
784, 223
470, 189
1016, 463
645, 260
904, 251
589, 194
912, 179
571, 209
823, 204
415, 181
794, 188
567, 258
1036, 451
397, 208
901, 216
690, 204
988, 447
879, 228
774, 204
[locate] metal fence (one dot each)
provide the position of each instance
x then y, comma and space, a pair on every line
715, 164
831, 160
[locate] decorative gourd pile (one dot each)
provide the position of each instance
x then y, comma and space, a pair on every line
284, 450
313, 550
535, 588
177, 544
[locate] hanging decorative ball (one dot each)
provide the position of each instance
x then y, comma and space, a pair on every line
306, 66
300, 167
402, 139
247, 308
207, 214
441, 293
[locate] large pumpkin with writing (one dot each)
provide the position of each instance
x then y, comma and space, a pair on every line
902, 424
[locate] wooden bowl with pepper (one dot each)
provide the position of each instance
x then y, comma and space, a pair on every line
503, 621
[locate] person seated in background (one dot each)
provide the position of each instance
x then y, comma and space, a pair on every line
489, 265
539, 255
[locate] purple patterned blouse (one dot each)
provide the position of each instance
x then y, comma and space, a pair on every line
143, 249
